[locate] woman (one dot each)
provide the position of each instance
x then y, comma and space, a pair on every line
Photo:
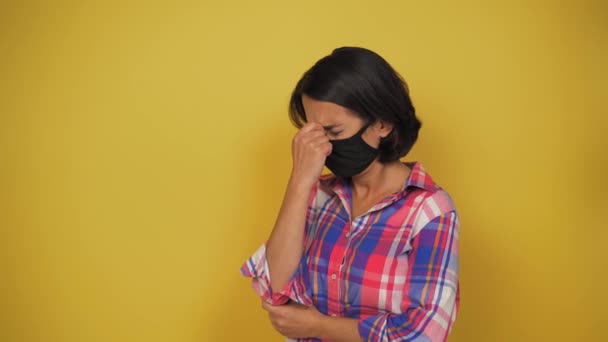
370, 252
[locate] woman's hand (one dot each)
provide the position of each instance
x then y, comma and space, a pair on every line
295, 320
309, 149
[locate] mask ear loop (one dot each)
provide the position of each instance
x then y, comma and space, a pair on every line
366, 126
358, 134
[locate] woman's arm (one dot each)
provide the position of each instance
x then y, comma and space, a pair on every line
299, 321
285, 245
284, 249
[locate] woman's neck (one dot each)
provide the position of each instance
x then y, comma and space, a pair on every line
380, 179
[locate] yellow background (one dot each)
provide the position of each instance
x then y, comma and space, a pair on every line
144, 148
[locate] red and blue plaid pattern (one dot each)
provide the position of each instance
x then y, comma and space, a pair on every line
394, 268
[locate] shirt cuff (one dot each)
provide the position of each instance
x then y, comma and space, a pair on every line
256, 267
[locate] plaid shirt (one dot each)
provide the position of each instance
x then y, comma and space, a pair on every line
394, 268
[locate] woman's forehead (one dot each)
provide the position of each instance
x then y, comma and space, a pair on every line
325, 113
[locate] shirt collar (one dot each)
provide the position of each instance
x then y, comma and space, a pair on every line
418, 178
342, 188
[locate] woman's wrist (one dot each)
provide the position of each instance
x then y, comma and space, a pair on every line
321, 327
301, 183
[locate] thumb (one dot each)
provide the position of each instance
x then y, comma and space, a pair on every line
269, 307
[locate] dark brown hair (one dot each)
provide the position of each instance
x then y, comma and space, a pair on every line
362, 81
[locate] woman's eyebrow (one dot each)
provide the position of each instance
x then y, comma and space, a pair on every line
330, 127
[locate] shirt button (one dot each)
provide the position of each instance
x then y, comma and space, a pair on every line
347, 234
333, 276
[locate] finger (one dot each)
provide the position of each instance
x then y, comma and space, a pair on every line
316, 134
323, 146
305, 135
310, 126
266, 306
270, 308
319, 140
328, 149
312, 136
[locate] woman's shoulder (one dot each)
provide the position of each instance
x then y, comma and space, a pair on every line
433, 200
438, 202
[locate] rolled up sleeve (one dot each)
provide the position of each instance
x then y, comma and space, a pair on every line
256, 267
431, 296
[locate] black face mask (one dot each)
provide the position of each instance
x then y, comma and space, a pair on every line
350, 156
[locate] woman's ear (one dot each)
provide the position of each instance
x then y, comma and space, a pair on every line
383, 128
